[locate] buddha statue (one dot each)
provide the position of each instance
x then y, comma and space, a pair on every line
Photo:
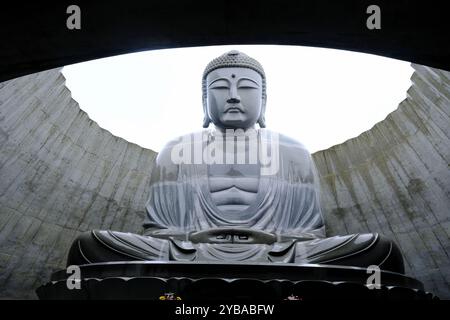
233, 192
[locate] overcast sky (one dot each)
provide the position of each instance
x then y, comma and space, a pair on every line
320, 97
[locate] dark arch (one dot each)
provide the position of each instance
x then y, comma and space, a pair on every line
35, 37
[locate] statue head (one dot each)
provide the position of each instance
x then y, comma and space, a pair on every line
234, 92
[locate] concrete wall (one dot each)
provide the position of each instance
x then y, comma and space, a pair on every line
395, 179
61, 174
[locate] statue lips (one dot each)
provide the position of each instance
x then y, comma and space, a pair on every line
233, 109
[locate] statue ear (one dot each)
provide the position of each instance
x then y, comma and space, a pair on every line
206, 121
262, 117
262, 121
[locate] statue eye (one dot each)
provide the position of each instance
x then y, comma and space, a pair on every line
219, 87
247, 84
220, 84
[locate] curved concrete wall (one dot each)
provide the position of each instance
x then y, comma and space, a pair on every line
61, 174
395, 179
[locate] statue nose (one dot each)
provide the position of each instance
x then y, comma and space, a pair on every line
234, 100
234, 97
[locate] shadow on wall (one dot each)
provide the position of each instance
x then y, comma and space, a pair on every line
61, 174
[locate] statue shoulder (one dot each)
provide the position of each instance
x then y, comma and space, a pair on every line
298, 163
291, 142
173, 150
288, 145
167, 161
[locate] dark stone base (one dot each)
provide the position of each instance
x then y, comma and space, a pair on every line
231, 281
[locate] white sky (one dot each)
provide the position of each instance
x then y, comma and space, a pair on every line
320, 97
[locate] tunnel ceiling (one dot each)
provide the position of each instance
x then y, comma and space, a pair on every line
35, 37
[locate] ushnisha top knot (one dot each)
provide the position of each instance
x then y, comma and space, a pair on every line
234, 58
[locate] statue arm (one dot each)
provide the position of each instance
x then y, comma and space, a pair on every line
169, 205
302, 173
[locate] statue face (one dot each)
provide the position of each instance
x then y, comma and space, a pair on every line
234, 97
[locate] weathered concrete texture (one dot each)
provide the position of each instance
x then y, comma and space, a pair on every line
61, 174
395, 179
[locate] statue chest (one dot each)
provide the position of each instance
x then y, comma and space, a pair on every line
233, 187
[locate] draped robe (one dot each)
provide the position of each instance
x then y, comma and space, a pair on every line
287, 203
